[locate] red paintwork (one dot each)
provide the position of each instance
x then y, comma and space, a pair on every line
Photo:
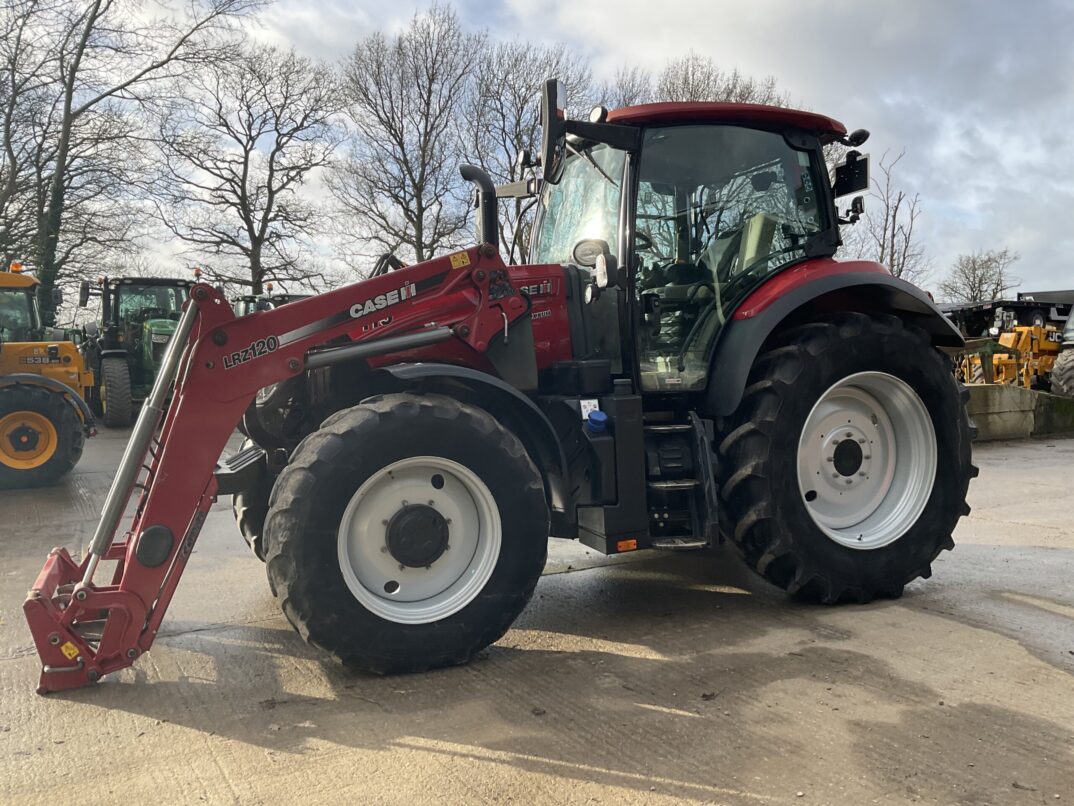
207, 403
703, 112
799, 275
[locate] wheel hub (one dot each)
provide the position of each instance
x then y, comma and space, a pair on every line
419, 539
867, 460
24, 439
417, 535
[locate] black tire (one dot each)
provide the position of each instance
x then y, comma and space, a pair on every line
250, 508
764, 514
1062, 378
311, 494
1037, 318
70, 437
977, 373
115, 391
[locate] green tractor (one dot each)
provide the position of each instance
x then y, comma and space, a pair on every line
124, 347
251, 303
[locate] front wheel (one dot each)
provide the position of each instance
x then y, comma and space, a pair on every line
1063, 374
41, 437
116, 404
406, 534
846, 467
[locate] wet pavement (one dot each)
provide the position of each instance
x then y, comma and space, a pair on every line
650, 679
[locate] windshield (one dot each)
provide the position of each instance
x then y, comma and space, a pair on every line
18, 314
583, 204
1068, 331
719, 208
139, 302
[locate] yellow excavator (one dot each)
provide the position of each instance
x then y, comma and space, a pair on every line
44, 419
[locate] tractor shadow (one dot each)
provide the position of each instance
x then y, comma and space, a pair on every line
682, 672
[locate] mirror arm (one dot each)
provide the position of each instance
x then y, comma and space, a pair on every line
522, 189
626, 138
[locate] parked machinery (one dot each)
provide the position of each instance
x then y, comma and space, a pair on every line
137, 318
1014, 354
44, 420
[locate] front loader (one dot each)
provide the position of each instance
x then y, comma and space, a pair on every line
685, 362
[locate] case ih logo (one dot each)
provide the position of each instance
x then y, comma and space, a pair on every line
545, 288
381, 301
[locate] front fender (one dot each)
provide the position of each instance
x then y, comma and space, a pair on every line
516, 411
816, 287
73, 398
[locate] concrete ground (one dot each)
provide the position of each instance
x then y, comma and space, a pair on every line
652, 679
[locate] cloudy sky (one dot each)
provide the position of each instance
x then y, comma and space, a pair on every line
980, 93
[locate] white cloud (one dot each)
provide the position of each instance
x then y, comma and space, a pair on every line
980, 93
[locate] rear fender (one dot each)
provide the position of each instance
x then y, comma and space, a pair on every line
115, 354
73, 398
512, 408
801, 294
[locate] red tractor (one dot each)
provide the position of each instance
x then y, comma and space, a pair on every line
684, 362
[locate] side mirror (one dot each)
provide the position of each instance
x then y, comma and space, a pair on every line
83, 294
553, 134
851, 175
57, 297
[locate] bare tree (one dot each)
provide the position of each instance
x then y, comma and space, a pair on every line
77, 71
699, 78
980, 276
399, 188
886, 234
501, 119
632, 85
243, 136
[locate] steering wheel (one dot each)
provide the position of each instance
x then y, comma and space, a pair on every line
642, 241
145, 314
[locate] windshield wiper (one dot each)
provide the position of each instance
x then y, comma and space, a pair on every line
584, 154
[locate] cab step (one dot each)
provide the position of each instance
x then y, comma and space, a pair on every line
679, 543
674, 484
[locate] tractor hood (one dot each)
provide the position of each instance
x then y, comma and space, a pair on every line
156, 333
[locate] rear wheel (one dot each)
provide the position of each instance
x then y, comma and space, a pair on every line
1063, 374
250, 507
407, 533
41, 437
116, 404
878, 430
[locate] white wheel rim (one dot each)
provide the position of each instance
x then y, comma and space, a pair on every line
867, 460
419, 595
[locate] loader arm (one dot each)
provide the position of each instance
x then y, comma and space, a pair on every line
214, 366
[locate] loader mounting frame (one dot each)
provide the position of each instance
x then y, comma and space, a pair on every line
213, 368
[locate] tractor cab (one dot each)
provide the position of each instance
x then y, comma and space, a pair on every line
708, 202
20, 317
